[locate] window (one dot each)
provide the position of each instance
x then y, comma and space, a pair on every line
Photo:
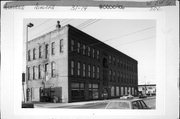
84, 49
29, 55
114, 60
72, 67
126, 91
39, 72
118, 76
117, 91
28, 72
114, 75
93, 53
89, 51
122, 91
72, 45
84, 70
77, 91
46, 67
53, 69
78, 69
110, 59
34, 54
46, 50
112, 91
78, 47
97, 54
93, 91
118, 62
52, 48
110, 75
97, 72
40, 52
34, 68
89, 71
93, 71
61, 46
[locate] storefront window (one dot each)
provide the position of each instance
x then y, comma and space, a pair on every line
112, 91
77, 91
93, 91
122, 91
117, 91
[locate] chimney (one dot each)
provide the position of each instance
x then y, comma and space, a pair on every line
58, 26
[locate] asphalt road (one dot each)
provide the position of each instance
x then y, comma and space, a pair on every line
151, 102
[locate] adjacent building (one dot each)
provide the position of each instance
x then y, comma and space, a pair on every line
69, 65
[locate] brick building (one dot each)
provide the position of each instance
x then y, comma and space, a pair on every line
74, 66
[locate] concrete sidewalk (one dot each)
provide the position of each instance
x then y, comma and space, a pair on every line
54, 105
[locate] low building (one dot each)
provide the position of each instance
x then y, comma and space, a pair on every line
69, 65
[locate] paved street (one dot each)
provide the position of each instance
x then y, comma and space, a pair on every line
150, 101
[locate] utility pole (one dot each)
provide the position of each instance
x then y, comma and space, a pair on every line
29, 25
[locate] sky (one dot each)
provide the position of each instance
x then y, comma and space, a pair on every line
135, 38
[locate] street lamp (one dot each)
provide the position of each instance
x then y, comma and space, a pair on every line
27, 26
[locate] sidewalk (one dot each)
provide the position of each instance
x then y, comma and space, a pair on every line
54, 105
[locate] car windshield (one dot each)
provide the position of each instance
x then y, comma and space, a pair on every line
118, 105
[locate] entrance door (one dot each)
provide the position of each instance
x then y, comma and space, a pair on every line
35, 94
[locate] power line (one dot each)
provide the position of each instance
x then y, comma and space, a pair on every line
90, 23
130, 33
84, 23
147, 38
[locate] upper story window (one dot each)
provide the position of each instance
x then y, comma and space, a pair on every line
84, 70
34, 53
78, 68
78, 47
114, 75
39, 72
72, 67
93, 52
110, 58
93, 72
110, 75
29, 55
40, 52
97, 54
89, 71
61, 46
28, 73
34, 68
52, 69
118, 62
114, 60
52, 48
72, 45
46, 50
89, 51
98, 74
84, 49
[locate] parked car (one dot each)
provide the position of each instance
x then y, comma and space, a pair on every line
143, 96
127, 104
127, 97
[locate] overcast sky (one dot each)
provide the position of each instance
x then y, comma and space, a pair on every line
135, 38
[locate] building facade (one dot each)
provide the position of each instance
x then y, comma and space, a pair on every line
73, 66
